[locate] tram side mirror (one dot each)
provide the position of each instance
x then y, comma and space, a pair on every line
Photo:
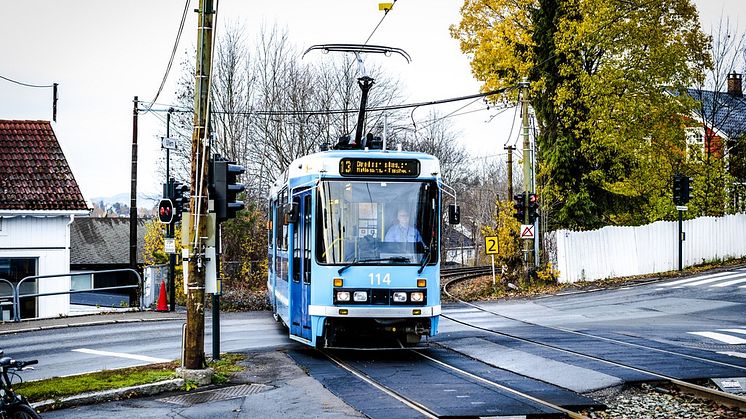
454, 214
291, 213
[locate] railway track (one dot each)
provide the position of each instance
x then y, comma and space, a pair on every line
469, 382
465, 273
718, 396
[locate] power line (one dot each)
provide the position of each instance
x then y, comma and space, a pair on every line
385, 13
26, 84
343, 111
173, 54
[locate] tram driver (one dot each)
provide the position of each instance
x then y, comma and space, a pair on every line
403, 231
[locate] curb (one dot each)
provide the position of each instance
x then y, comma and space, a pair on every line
94, 323
108, 395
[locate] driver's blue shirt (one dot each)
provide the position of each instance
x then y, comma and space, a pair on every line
399, 233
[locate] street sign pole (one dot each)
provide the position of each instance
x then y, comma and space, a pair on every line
494, 281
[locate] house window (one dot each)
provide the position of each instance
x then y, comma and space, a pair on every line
81, 282
695, 139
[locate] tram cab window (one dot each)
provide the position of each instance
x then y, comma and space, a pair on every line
392, 222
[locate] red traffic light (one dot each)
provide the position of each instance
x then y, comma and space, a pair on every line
165, 211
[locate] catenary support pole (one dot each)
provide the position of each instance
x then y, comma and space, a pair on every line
133, 190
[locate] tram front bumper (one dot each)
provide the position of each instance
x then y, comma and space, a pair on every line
373, 312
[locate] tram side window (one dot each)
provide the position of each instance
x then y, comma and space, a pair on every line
296, 248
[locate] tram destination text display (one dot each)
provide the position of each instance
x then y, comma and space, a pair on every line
379, 167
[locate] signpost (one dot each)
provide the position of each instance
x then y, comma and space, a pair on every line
491, 247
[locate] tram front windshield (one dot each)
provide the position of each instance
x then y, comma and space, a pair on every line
377, 222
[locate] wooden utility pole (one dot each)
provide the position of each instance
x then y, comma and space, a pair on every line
527, 167
194, 350
510, 149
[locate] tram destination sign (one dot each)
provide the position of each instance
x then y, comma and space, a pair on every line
350, 166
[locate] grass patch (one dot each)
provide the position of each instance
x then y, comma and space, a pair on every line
227, 365
59, 387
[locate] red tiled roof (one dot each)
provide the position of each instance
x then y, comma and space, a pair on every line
34, 174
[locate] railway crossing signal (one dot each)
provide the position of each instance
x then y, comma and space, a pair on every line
165, 211
180, 199
533, 208
682, 189
520, 206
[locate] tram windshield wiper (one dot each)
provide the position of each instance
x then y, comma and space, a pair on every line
424, 260
392, 259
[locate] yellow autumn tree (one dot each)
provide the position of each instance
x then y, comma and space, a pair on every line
154, 253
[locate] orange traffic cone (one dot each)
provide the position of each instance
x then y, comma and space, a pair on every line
162, 298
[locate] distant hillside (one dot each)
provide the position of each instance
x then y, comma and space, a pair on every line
143, 200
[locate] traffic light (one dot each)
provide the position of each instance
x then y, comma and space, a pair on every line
533, 208
677, 189
224, 187
686, 189
682, 189
165, 211
181, 200
520, 207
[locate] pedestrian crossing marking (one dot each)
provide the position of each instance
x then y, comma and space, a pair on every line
731, 340
729, 283
710, 280
715, 280
698, 278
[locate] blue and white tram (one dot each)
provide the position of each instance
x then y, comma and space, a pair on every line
354, 247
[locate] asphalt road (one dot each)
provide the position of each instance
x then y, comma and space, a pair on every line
706, 312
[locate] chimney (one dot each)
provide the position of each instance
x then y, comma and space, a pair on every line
734, 84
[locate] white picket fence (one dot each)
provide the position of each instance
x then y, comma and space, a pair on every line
625, 251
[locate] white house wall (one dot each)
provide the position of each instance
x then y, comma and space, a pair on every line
626, 251
48, 240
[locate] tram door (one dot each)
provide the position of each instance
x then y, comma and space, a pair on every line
301, 286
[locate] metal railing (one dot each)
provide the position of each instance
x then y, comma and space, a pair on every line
4, 298
17, 293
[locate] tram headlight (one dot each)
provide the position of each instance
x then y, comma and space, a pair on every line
360, 296
400, 297
416, 297
343, 296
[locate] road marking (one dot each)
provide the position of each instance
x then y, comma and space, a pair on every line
736, 354
725, 284
740, 331
720, 278
697, 278
123, 355
731, 340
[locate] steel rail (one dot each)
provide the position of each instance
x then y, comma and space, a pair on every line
424, 410
712, 394
569, 413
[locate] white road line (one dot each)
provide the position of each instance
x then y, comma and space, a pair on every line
698, 278
731, 340
720, 278
123, 355
740, 331
729, 283
736, 354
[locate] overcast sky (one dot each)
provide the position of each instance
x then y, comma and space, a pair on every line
103, 53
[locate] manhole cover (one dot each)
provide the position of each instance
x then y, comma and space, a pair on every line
225, 393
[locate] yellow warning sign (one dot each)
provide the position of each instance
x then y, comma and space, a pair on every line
491, 246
